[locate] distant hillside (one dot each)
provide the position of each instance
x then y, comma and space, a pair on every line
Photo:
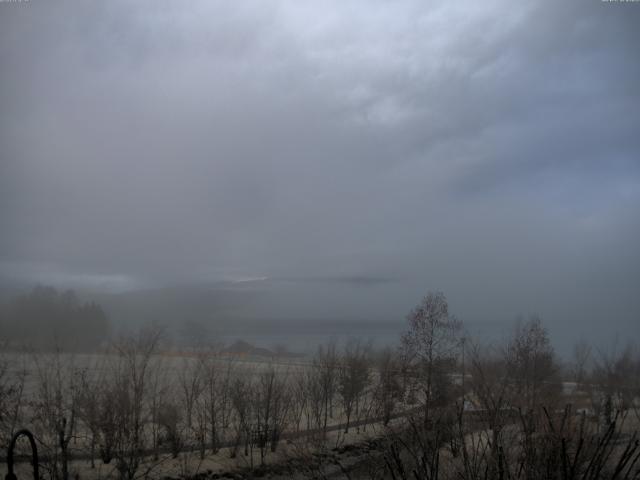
214, 305
240, 347
47, 318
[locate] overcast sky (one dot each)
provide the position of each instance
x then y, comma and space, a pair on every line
487, 149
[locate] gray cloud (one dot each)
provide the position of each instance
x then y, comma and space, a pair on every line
484, 149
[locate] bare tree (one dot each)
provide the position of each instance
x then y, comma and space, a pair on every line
616, 382
170, 419
158, 389
353, 377
431, 345
191, 388
271, 406
216, 399
13, 375
282, 402
325, 364
532, 364
388, 390
56, 407
533, 369
130, 387
241, 400
93, 406
315, 394
492, 394
300, 400
580, 359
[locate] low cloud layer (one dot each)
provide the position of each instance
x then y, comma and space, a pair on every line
490, 150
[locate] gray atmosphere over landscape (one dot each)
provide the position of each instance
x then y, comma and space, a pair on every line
330, 160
